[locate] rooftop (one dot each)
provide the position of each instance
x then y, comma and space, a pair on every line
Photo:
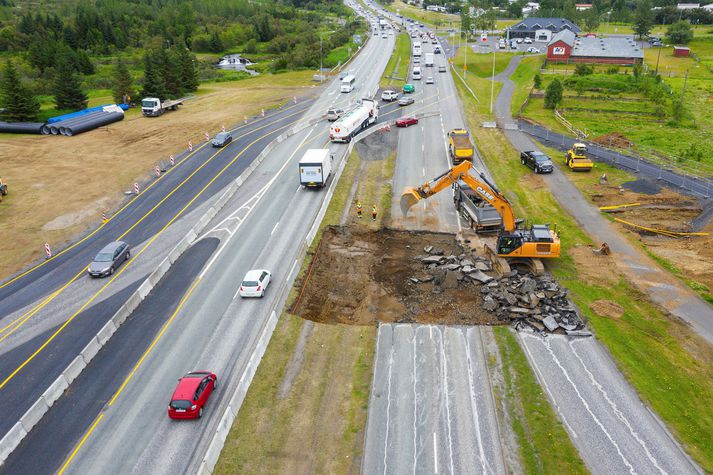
613, 47
536, 23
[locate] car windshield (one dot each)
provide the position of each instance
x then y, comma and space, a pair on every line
181, 404
104, 257
221, 135
249, 283
540, 157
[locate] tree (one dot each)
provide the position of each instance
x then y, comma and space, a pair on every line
122, 87
17, 102
591, 19
643, 18
537, 81
553, 94
67, 88
188, 76
680, 33
216, 45
154, 85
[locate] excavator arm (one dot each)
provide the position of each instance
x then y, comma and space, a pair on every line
482, 186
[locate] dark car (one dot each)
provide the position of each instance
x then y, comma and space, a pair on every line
109, 259
406, 121
222, 139
191, 395
538, 161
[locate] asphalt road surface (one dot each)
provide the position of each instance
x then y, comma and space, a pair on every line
263, 226
431, 406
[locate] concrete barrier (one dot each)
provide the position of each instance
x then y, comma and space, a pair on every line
34, 414
55, 390
11, 440
74, 369
91, 350
221, 434
106, 332
144, 289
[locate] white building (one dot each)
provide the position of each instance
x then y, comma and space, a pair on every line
530, 8
688, 6
436, 8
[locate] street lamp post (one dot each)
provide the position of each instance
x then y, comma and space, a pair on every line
492, 82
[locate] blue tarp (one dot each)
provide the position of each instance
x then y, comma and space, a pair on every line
60, 118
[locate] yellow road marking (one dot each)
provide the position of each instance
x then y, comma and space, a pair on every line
13, 326
43, 263
122, 269
79, 445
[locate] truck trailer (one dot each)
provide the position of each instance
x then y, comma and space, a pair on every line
344, 129
315, 168
154, 107
429, 60
459, 146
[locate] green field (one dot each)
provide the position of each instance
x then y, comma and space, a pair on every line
432, 19
396, 71
670, 367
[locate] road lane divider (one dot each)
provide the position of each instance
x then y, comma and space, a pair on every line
128, 203
13, 326
18, 432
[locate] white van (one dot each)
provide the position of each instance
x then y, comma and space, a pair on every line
348, 83
315, 167
416, 73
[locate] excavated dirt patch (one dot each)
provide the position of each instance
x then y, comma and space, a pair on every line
361, 277
607, 308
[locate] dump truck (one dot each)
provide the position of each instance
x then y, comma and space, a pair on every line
459, 146
154, 107
344, 129
576, 158
477, 213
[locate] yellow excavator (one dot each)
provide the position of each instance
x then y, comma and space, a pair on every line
519, 246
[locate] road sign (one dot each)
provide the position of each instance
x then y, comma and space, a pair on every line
190, 146
222, 127
171, 160
207, 136
104, 219
48, 251
157, 170
484, 37
136, 188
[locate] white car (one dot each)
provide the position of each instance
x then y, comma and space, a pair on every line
429, 80
528, 41
255, 283
532, 49
389, 95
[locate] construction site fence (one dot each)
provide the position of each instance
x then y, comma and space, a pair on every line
692, 181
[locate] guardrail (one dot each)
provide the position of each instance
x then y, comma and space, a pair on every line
55, 390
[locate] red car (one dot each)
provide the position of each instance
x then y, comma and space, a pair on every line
191, 395
406, 121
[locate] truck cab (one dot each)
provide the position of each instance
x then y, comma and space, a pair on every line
151, 106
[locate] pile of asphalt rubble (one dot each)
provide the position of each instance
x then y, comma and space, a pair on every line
529, 303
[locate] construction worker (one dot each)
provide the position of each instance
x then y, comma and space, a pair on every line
373, 213
359, 209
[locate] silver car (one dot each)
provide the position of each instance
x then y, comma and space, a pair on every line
109, 259
334, 114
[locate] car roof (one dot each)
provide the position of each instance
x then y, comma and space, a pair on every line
187, 386
254, 274
111, 247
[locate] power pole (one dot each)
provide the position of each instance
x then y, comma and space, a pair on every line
465, 58
657, 60
492, 82
683, 91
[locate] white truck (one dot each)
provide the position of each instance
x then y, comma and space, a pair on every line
429, 60
344, 129
382, 23
315, 167
417, 49
154, 107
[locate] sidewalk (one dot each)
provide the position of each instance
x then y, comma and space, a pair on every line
663, 288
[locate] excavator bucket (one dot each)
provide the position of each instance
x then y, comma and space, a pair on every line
409, 197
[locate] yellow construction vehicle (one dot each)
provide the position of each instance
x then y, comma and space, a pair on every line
519, 246
577, 159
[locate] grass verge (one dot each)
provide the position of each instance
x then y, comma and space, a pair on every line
396, 71
327, 403
541, 437
668, 365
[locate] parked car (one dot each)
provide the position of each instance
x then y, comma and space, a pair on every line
528, 41
429, 80
537, 160
441, 69
519, 40
532, 49
109, 259
334, 114
191, 395
437, 50
389, 95
255, 283
406, 101
406, 121
409, 88
222, 139
656, 43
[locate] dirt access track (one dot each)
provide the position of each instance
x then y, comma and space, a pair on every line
362, 277
60, 185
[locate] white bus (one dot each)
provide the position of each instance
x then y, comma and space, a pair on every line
348, 83
417, 48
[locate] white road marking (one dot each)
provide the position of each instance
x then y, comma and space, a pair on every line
273, 229
289, 276
298, 189
388, 407
423, 171
435, 455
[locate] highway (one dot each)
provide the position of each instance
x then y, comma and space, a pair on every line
125, 427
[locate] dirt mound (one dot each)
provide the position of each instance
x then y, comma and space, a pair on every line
607, 308
613, 139
361, 277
